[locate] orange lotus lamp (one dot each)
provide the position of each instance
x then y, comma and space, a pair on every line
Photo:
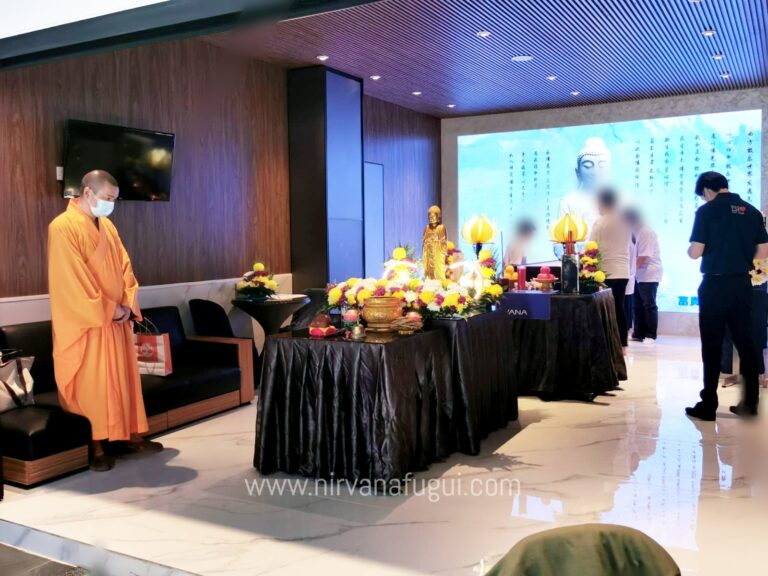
478, 230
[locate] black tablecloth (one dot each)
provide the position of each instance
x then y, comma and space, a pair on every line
575, 354
485, 395
364, 410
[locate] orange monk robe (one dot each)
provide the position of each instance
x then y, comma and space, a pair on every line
89, 274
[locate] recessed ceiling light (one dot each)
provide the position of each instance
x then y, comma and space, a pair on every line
451, 105
417, 93
725, 75
375, 77
551, 77
575, 93
522, 58
718, 56
709, 32
483, 34
323, 57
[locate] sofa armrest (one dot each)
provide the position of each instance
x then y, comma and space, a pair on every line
244, 347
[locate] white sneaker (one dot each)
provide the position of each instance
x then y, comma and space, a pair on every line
649, 341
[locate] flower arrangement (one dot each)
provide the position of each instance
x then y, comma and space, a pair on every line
257, 283
487, 263
430, 297
453, 259
760, 272
591, 277
403, 266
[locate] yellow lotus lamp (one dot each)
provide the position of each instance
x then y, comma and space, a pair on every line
571, 228
478, 230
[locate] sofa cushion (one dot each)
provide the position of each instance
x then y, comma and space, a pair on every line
167, 320
33, 339
48, 400
34, 432
186, 385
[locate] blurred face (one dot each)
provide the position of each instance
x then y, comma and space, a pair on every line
434, 216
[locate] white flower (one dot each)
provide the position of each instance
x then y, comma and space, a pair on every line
410, 296
433, 307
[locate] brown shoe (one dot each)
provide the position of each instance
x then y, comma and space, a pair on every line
143, 446
102, 463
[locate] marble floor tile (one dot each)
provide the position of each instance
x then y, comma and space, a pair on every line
633, 458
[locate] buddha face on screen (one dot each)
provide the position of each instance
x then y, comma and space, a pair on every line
593, 166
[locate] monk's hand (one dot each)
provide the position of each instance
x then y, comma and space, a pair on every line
122, 314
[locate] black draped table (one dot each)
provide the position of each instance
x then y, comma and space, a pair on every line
374, 409
485, 394
384, 407
575, 354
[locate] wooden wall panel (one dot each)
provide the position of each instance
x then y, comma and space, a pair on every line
407, 143
229, 199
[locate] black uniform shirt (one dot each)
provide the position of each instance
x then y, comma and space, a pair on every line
730, 230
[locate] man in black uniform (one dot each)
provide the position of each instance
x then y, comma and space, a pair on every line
728, 234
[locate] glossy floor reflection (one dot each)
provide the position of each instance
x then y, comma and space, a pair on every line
632, 459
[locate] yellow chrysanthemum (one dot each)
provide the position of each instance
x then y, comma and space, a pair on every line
487, 272
599, 276
451, 245
381, 282
399, 294
270, 284
427, 296
414, 284
241, 285
485, 254
362, 296
450, 300
591, 245
258, 267
352, 281
334, 295
399, 253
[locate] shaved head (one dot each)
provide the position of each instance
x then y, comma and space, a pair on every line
96, 180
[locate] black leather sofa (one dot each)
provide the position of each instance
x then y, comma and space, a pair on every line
40, 442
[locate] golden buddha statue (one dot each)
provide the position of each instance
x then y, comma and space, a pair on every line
434, 246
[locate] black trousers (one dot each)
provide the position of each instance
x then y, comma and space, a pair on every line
619, 288
727, 301
646, 310
629, 309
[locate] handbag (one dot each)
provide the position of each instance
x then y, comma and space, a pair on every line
153, 349
16, 381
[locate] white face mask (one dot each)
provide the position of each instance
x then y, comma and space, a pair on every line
103, 208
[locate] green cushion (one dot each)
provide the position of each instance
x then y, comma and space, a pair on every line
587, 549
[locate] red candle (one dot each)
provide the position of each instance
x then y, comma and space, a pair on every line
521, 279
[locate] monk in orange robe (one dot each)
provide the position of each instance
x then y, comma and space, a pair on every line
93, 302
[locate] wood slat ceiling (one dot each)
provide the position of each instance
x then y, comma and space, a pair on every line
606, 50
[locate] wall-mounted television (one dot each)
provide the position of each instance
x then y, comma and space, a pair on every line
140, 160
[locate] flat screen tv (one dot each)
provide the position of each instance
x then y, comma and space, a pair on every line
140, 160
